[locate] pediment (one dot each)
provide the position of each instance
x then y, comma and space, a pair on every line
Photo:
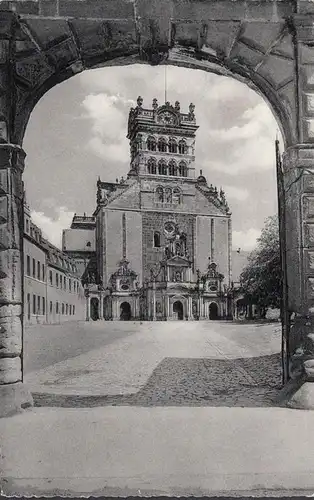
178, 261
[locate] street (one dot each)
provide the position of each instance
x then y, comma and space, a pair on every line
153, 364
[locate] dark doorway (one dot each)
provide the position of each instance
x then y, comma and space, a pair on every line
213, 311
125, 311
94, 309
178, 309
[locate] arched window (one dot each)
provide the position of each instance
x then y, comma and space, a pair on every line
183, 147
172, 167
156, 239
162, 145
182, 169
162, 167
139, 141
173, 146
151, 166
168, 195
160, 194
151, 143
176, 196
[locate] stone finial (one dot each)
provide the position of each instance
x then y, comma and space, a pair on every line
168, 104
139, 101
177, 106
155, 103
201, 172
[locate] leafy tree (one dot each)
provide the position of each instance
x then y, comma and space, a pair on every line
261, 279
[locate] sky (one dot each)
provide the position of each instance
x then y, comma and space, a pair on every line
78, 129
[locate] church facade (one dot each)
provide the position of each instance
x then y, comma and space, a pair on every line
162, 247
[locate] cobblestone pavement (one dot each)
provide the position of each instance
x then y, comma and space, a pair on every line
173, 364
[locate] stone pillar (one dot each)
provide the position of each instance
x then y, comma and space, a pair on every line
298, 165
115, 303
154, 301
229, 252
167, 307
87, 308
101, 306
13, 394
190, 312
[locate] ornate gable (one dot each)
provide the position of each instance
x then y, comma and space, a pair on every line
124, 279
178, 261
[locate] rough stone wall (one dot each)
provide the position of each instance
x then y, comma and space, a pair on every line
154, 221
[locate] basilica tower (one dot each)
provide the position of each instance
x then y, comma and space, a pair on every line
162, 140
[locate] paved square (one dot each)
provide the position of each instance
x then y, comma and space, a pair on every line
148, 364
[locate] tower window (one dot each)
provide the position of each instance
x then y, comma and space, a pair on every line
182, 169
162, 167
183, 147
151, 144
156, 239
176, 196
162, 145
168, 195
160, 194
139, 142
173, 147
172, 167
151, 165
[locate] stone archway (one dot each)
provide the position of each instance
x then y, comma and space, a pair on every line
213, 312
94, 308
125, 311
177, 309
268, 45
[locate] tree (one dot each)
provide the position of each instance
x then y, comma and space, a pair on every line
261, 279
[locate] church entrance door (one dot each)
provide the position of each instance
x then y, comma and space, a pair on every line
178, 310
213, 311
94, 309
125, 311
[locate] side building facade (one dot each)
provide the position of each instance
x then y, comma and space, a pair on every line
53, 292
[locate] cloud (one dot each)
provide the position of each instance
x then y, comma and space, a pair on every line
107, 114
245, 147
52, 227
246, 240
